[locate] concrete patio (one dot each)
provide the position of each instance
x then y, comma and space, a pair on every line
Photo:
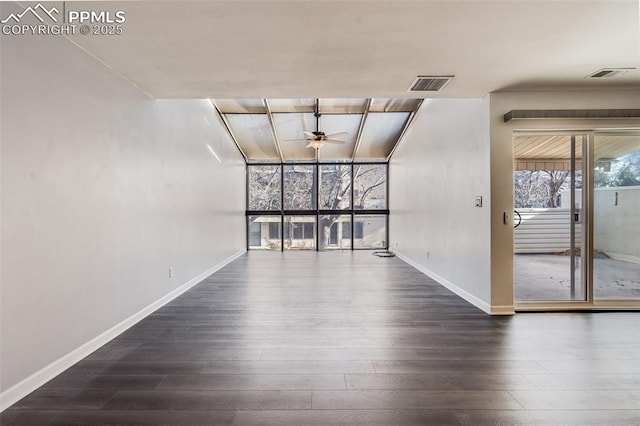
540, 277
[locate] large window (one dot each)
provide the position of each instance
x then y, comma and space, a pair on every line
299, 187
300, 232
370, 231
264, 188
370, 186
321, 206
264, 232
335, 232
335, 186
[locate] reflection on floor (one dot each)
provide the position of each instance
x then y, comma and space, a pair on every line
547, 277
344, 338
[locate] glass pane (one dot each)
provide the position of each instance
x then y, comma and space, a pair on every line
300, 232
380, 134
253, 134
264, 232
292, 105
394, 105
370, 231
335, 232
335, 187
293, 143
264, 187
548, 235
240, 106
616, 239
254, 234
342, 105
333, 124
299, 187
370, 186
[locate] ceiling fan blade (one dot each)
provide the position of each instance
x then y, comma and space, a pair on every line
309, 134
334, 141
295, 140
337, 135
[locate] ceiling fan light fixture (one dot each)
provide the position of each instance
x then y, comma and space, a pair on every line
315, 144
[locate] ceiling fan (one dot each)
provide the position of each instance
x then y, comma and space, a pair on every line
317, 139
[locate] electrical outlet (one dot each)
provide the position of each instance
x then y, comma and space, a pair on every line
170, 271
478, 200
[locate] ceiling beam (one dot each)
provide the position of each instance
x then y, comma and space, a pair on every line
228, 129
276, 141
317, 115
365, 114
404, 129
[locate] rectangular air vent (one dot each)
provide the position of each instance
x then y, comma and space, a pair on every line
609, 72
430, 83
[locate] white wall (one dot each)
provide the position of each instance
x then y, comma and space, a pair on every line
103, 189
616, 226
440, 167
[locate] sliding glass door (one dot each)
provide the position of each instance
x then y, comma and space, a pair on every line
549, 215
577, 219
616, 216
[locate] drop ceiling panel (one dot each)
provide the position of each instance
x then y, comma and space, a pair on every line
290, 128
380, 134
331, 124
253, 134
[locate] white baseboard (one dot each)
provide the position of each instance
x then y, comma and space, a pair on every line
475, 301
31, 383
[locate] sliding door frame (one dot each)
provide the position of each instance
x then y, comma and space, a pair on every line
587, 232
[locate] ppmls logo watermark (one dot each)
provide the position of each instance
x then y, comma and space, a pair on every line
56, 20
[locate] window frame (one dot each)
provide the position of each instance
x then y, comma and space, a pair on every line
317, 212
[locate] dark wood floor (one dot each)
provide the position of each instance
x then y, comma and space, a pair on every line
335, 338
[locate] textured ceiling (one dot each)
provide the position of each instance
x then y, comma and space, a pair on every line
363, 49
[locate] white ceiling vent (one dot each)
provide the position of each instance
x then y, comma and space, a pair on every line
609, 72
430, 83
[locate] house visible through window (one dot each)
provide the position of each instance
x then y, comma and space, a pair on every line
346, 230
274, 230
358, 230
302, 230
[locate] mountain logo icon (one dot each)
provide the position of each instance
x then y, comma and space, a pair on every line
38, 11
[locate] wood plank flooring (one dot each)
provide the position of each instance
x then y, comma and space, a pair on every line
344, 338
